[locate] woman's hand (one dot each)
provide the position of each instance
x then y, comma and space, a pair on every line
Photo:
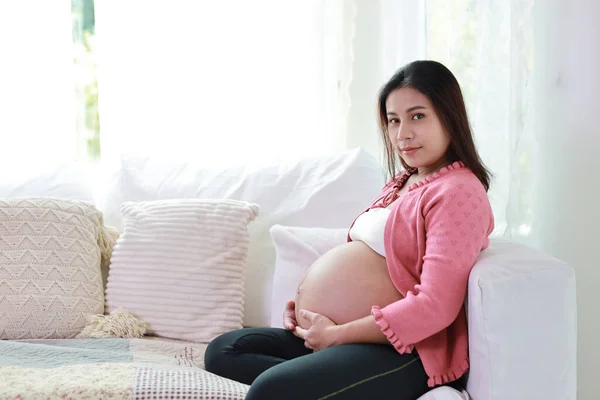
289, 316
321, 333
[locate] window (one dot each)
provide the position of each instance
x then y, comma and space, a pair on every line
86, 83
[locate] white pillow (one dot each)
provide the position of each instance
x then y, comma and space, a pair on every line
179, 266
50, 258
326, 192
296, 249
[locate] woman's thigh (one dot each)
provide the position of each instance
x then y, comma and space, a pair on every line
353, 371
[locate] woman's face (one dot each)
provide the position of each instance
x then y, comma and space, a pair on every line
415, 130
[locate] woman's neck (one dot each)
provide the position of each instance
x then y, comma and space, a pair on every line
422, 172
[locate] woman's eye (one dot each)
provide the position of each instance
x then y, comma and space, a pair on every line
393, 121
418, 116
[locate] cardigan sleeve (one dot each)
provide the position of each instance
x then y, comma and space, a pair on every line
457, 224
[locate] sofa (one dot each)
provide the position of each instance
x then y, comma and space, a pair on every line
520, 303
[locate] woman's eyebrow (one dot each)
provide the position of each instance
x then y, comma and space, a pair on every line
413, 108
410, 109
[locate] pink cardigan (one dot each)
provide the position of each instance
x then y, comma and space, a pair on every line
432, 239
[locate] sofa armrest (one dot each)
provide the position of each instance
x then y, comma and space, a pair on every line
521, 310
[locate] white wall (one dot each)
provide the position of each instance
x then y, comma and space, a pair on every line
567, 208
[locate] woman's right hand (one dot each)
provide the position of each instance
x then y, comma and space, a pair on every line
289, 316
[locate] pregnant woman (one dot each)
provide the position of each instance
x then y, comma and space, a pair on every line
381, 316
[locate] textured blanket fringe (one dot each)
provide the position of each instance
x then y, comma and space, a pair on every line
118, 324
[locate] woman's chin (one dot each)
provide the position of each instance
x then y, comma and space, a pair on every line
410, 162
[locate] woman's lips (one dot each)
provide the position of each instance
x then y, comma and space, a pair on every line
409, 150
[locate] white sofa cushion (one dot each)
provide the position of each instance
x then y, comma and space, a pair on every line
179, 266
522, 325
323, 192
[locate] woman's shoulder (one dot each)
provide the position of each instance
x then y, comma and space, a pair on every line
458, 196
455, 188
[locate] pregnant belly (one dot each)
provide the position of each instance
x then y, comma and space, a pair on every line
345, 283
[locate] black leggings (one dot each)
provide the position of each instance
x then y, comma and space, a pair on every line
278, 366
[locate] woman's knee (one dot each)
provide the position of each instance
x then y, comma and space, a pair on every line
219, 351
271, 384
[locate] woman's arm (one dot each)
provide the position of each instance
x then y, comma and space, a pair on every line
363, 330
458, 221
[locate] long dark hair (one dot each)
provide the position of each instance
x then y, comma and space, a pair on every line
436, 82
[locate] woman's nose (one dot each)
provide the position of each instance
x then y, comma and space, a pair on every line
403, 133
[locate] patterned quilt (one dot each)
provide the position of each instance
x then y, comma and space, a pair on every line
144, 369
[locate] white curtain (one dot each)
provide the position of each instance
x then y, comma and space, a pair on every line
233, 80
37, 90
488, 45
222, 81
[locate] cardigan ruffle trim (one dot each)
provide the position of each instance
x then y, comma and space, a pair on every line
449, 376
402, 177
442, 171
402, 348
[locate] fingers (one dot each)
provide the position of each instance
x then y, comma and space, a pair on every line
289, 322
308, 346
288, 325
309, 315
289, 316
300, 332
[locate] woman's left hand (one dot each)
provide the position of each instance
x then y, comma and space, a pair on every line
321, 333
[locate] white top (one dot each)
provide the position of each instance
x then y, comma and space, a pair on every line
369, 228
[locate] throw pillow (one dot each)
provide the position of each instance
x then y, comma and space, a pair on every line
296, 249
179, 266
50, 255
